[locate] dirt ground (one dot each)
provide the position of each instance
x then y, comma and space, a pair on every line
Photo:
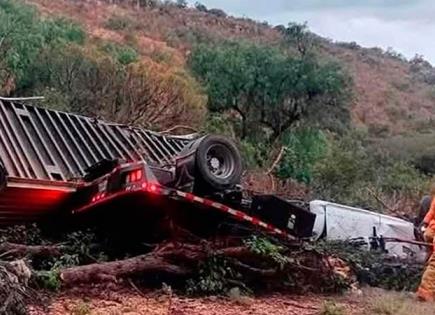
131, 301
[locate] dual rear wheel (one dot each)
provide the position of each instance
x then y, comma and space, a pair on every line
218, 163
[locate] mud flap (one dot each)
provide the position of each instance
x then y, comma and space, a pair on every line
284, 215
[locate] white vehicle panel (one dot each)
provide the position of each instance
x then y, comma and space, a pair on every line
339, 222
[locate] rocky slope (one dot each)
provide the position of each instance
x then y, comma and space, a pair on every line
390, 94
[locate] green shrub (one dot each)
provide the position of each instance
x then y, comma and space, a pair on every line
266, 248
252, 154
345, 169
49, 280
123, 54
28, 35
22, 234
118, 23
215, 276
303, 148
400, 176
352, 169
373, 268
62, 30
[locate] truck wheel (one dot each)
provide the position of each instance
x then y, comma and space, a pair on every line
218, 162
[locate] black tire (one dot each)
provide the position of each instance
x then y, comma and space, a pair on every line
3, 177
218, 163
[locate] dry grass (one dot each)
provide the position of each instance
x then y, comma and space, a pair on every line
331, 308
380, 302
387, 98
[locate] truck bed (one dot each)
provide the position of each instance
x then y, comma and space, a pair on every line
46, 153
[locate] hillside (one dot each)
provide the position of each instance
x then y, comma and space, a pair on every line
312, 119
389, 96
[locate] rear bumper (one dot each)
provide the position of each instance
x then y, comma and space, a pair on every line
20, 183
151, 194
24, 200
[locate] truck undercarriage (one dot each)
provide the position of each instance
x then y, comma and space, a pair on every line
58, 167
55, 164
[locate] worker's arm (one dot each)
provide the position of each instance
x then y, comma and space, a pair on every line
430, 214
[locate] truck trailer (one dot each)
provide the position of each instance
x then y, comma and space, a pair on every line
55, 164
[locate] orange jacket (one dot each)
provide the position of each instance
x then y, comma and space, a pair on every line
429, 219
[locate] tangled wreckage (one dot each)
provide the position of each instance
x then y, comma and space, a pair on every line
61, 166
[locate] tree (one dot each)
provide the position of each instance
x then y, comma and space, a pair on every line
22, 37
181, 4
266, 87
299, 36
99, 85
200, 7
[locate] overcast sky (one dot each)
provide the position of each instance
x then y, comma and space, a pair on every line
408, 26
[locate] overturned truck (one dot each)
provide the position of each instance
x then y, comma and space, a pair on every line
60, 165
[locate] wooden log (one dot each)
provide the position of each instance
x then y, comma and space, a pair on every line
20, 251
97, 272
174, 259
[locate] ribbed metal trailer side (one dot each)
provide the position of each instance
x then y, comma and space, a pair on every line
41, 144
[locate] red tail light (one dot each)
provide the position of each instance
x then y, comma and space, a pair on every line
153, 188
98, 197
134, 176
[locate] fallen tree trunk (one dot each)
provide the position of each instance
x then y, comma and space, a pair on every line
115, 269
172, 258
181, 260
31, 251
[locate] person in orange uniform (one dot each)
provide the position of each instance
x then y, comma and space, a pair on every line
426, 291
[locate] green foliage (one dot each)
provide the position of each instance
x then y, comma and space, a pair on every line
62, 31
79, 248
219, 124
118, 23
200, 7
299, 37
190, 34
269, 90
75, 78
181, 4
123, 54
215, 276
49, 280
266, 248
255, 155
23, 36
345, 169
21, 234
83, 247
217, 12
374, 268
303, 148
400, 176
418, 148
352, 169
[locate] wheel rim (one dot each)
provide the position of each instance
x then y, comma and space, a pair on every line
220, 161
